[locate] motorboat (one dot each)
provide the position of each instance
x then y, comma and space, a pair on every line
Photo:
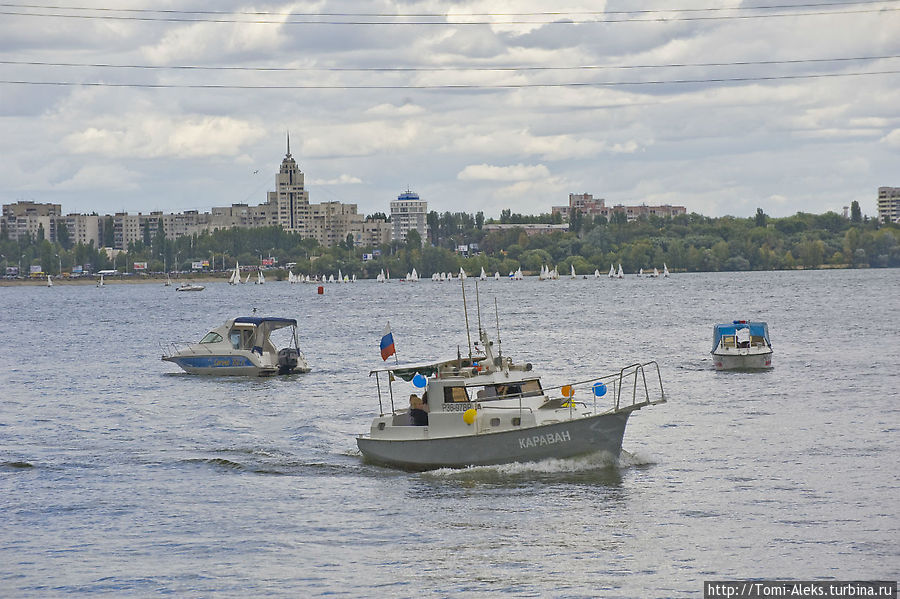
190, 287
241, 346
485, 409
742, 345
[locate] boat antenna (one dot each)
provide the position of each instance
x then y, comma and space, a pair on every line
497, 315
466, 312
478, 305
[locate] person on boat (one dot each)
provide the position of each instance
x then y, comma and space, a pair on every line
418, 416
742, 336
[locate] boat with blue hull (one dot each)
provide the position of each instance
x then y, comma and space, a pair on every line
241, 347
742, 345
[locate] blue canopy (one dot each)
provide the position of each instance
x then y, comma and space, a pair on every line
258, 320
757, 329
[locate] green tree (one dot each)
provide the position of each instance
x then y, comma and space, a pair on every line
760, 220
855, 213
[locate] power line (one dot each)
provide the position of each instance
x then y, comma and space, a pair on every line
387, 19
446, 86
443, 15
445, 68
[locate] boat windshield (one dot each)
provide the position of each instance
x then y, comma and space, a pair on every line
455, 394
525, 389
211, 337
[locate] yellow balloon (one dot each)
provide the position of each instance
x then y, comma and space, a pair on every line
469, 415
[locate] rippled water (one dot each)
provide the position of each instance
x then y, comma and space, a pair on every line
120, 476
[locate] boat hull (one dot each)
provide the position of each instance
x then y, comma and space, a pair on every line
743, 360
224, 365
572, 438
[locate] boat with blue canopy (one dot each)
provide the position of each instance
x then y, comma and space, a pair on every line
243, 347
741, 345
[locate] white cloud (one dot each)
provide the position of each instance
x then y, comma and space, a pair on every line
518, 172
892, 139
153, 136
344, 179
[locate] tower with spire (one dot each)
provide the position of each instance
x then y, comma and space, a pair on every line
290, 200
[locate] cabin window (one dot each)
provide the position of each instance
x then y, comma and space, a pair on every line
532, 388
211, 338
235, 338
517, 421
495, 422
455, 394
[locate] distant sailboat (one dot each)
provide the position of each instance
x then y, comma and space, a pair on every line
483, 276
49, 282
247, 280
612, 271
100, 283
655, 273
641, 272
620, 274
596, 273
414, 276
496, 275
462, 274
260, 279
235, 277
573, 272
380, 277
665, 271
543, 274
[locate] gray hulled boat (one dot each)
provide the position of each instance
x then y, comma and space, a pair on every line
741, 345
486, 410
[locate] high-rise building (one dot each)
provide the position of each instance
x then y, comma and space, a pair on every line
408, 212
290, 201
889, 204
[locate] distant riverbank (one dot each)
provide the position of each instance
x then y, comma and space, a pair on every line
112, 280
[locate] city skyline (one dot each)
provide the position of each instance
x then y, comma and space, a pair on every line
474, 106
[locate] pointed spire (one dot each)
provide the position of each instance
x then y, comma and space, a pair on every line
288, 144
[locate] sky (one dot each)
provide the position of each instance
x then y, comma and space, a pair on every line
475, 105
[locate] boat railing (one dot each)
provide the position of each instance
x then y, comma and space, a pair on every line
171, 348
633, 378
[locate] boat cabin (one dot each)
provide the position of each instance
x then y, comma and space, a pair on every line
739, 334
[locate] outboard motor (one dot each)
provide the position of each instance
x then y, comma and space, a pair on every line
287, 360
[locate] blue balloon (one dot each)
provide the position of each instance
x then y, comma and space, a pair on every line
420, 381
599, 389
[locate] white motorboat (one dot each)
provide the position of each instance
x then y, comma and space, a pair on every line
485, 410
742, 345
241, 346
190, 287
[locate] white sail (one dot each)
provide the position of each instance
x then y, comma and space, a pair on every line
260, 279
641, 272
496, 276
331, 278
100, 283
462, 273
596, 273
656, 272
340, 277
543, 274
483, 275
415, 275
612, 272
665, 270
247, 280
573, 271
620, 274
49, 282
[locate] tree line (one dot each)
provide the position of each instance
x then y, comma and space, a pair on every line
689, 242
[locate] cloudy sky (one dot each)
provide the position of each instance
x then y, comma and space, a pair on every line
475, 105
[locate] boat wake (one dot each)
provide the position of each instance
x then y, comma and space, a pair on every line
603, 466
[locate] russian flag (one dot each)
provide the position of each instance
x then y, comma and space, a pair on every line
387, 343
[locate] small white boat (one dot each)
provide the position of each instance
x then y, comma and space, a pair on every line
483, 275
741, 345
235, 277
496, 275
190, 287
260, 279
665, 271
612, 271
486, 409
168, 282
620, 274
596, 273
243, 347
100, 283
573, 272
49, 282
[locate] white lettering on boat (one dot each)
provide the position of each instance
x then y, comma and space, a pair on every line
541, 440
